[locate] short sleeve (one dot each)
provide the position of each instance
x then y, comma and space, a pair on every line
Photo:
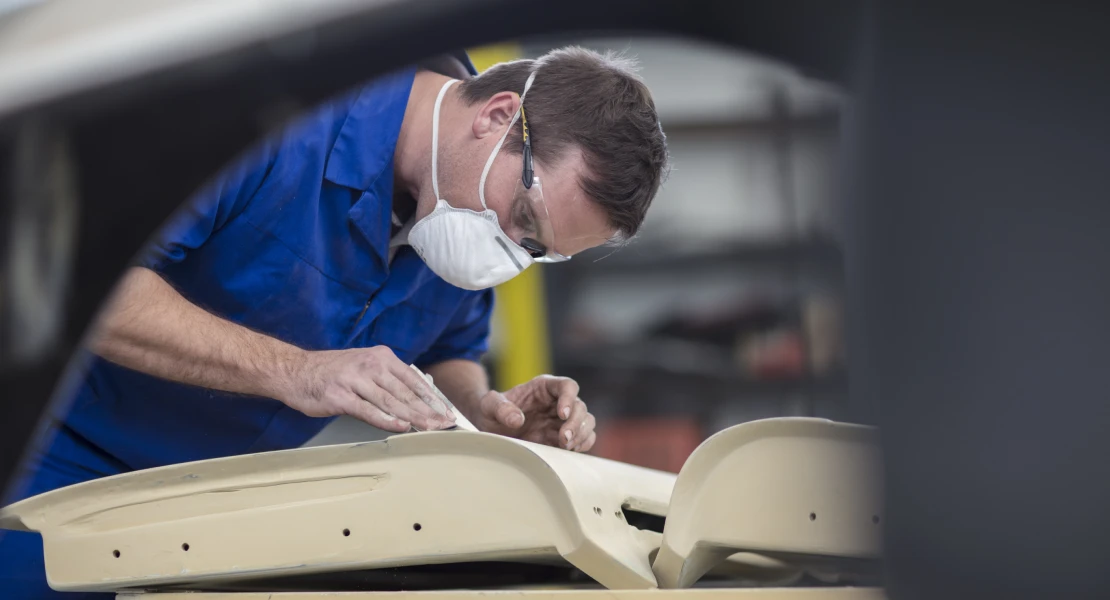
211, 208
467, 335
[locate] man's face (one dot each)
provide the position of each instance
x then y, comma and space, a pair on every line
576, 222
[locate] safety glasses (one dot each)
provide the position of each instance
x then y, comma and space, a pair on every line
533, 210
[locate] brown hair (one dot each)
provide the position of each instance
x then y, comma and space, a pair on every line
596, 103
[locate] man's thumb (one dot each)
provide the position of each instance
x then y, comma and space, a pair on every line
497, 407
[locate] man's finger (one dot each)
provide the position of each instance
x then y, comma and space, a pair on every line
423, 389
588, 444
569, 430
412, 408
584, 431
496, 406
368, 413
373, 393
407, 412
566, 390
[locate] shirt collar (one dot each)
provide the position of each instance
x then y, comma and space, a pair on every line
362, 156
368, 139
364, 149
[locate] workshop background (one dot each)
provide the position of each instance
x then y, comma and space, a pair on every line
728, 306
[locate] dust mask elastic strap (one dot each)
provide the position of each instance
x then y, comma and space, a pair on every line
435, 135
497, 148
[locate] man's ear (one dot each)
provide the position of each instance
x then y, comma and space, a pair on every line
495, 114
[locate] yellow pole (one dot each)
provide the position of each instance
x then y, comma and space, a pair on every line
520, 311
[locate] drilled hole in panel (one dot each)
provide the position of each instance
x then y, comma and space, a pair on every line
812, 516
115, 553
346, 532
416, 527
185, 546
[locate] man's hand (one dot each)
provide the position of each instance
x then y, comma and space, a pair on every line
545, 410
370, 384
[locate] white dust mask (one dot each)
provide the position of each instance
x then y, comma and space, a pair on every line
468, 249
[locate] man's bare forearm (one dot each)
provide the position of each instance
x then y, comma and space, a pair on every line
148, 326
464, 382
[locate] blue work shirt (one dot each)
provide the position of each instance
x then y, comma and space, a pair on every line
292, 240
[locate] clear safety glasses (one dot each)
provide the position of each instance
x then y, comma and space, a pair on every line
533, 210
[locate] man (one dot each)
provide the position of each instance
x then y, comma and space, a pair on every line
306, 277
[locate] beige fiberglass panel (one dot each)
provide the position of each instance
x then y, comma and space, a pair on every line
420, 498
795, 487
699, 594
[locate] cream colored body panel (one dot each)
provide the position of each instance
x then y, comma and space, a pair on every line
760, 502
420, 498
794, 487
